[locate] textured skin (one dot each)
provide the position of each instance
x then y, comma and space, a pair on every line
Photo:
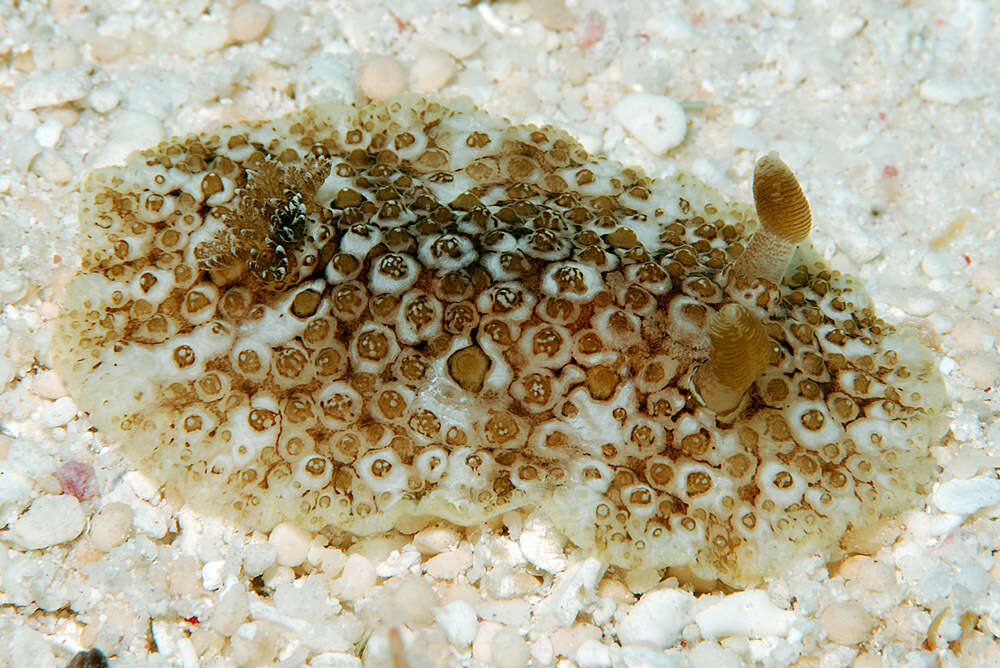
351, 317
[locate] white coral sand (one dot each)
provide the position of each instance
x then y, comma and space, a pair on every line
873, 107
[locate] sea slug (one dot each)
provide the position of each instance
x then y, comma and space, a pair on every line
412, 310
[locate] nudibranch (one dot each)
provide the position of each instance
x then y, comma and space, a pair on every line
354, 317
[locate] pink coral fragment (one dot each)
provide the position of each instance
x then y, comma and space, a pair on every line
592, 31
78, 479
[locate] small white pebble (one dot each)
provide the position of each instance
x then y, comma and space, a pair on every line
50, 520
24, 120
21, 150
571, 590
548, 89
204, 36
709, 653
13, 286
48, 133
843, 27
948, 91
257, 558
553, 14
518, 584
919, 303
356, 579
25, 62
936, 264
104, 97
378, 548
448, 565
490, 18
746, 613
657, 619
398, 563
941, 323
434, 540
867, 661
641, 580
458, 621
51, 166
48, 484
335, 660
144, 487
968, 462
947, 365
986, 278
213, 574
593, 654
411, 601
871, 574
231, 610
110, 525
183, 577
542, 544
66, 116
150, 520
541, 651
508, 649
983, 369
575, 70
657, 121
107, 48
58, 413
325, 79
964, 497
972, 334
15, 488
141, 41
431, 70
514, 523
460, 45
279, 576
330, 560
291, 544
741, 137
132, 130
481, 650
637, 656
249, 22
65, 54
47, 385
691, 633
382, 77
165, 635
746, 116
615, 591
63, 9
780, 7
846, 623
51, 88
858, 244
565, 641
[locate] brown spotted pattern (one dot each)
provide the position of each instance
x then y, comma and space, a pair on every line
349, 318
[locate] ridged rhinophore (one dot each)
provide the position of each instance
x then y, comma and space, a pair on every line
781, 205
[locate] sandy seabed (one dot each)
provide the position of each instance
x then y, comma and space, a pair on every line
888, 115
